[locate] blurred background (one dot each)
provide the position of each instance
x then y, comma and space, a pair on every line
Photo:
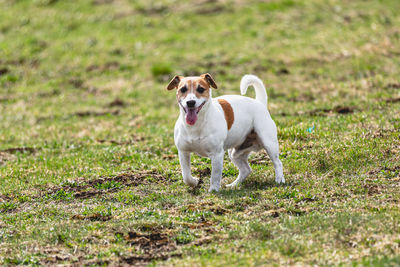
87, 157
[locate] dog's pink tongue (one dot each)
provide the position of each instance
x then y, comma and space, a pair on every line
191, 116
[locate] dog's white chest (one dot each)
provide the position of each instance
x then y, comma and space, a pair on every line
201, 145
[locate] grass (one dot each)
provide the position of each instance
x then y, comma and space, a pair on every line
89, 173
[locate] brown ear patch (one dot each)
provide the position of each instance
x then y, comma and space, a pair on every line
174, 82
228, 112
209, 80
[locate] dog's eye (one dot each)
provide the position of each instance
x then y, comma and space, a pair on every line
183, 89
200, 90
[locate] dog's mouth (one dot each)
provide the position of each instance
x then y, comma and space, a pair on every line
191, 113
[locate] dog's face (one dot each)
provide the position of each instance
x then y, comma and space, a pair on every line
192, 94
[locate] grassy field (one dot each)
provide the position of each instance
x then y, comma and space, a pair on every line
89, 172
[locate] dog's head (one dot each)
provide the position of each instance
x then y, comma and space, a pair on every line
192, 94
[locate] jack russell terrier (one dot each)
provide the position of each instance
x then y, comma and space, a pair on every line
208, 126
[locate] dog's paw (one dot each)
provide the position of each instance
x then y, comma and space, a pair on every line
213, 189
232, 185
280, 180
193, 182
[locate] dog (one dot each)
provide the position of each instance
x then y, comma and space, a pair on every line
209, 126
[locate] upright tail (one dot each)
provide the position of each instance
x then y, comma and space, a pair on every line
261, 94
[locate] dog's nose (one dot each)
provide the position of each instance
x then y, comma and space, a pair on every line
191, 103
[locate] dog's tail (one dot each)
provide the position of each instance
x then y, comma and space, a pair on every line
261, 93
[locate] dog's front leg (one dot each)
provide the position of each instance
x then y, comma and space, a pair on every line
217, 162
184, 159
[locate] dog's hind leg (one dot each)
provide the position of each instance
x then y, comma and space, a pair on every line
267, 137
240, 159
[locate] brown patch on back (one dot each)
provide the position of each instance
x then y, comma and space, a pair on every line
228, 112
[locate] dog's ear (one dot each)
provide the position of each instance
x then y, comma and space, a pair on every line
209, 80
174, 82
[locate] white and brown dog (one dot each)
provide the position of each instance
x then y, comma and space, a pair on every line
209, 126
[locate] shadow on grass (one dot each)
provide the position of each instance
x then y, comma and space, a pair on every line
250, 186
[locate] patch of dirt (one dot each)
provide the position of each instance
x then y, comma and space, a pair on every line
90, 113
393, 86
378, 132
205, 206
113, 65
102, 2
301, 147
344, 237
14, 150
275, 213
48, 94
3, 70
155, 9
169, 156
202, 241
80, 84
283, 71
310, 199
372, 189
82, 114
54, 254
92, 217
133, 140
153, 246
303, 98
385, 169
212, 63
117, 103
48, 2
83, 189
202, 172
86, 189
215, 9
123, 14
4, 157
5, 99
58, 255
19, 61
323, 111
203, 224
393, 100
337, 109
299, 211
218, 210
77, 83
117, 51
216, 63
148, 241
34, 63
4, 198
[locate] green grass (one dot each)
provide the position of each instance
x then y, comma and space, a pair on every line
89, 173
